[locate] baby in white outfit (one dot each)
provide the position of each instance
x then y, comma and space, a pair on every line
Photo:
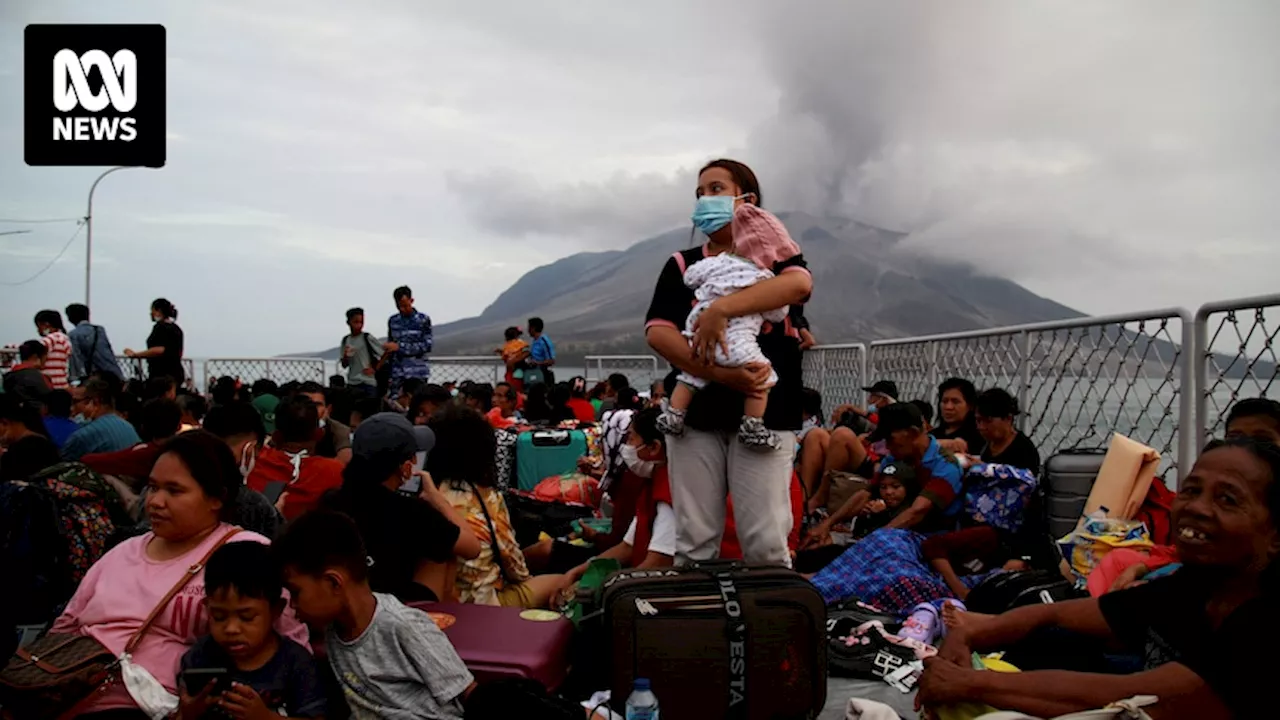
759, 242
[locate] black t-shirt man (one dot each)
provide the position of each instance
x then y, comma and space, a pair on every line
717, 408
1021, 453
1166, 621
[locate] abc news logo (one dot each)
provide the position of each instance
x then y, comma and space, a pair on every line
71, 91
107, 105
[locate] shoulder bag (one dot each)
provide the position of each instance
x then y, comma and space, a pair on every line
60, 672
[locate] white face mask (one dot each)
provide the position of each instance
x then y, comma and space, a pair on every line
248, 458
631, 456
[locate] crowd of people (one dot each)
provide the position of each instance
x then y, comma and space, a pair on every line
265, 521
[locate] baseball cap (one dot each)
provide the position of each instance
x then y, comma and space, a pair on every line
903, 472
425, 436
389, 433
266, 406
884, 387
895, 417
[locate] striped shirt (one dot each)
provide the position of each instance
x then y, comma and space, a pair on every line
55, 365
109, 433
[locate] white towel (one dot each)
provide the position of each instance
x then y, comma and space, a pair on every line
860, 709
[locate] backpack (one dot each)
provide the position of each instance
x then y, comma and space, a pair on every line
89, 510
1156, 512
33, 554
1005, 591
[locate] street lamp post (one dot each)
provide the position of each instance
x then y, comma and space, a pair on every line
88, 221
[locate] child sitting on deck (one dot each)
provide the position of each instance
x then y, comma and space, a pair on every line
759, 243
895, 489
267, 673
392, 660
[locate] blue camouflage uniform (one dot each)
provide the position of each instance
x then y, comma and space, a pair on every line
413, 334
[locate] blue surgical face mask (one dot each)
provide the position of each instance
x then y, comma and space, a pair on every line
712, 212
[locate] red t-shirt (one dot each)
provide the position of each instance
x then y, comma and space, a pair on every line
497, 421
134, 462
315, 476
583, 410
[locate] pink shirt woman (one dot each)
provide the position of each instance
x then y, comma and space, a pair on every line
193, 486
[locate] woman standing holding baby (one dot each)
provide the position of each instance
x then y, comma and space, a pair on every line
719, 449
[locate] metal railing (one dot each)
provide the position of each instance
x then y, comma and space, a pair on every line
1077, 381
278, 370
839, 372
641, 370
459, 368
1235, 358
136, 368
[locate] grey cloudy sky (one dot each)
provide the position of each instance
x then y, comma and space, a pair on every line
1112, 156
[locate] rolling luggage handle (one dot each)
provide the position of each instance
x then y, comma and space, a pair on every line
722, 572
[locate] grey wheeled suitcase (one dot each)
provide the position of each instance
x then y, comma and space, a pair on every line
1067, 482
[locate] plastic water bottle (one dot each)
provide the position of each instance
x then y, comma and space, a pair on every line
642, 704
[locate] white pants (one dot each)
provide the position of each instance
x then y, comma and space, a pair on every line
705, 468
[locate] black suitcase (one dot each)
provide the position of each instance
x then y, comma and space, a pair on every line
1007, 591
718, 640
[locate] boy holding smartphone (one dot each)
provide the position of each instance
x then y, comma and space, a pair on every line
243, 669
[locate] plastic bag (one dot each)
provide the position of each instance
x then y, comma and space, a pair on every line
998, 495
569, 487
151, 697
1097, 536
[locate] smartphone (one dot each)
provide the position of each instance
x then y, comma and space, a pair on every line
272, 491
197, 679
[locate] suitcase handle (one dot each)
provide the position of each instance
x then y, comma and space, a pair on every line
717, 566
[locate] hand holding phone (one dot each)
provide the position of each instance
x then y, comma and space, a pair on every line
200, 690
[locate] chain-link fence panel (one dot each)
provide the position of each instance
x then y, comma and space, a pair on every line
1088, 379
838, 372
640, 370
460, 368
277, 370
918, 366
911, 364
1077, 381
1235, 358
136, 368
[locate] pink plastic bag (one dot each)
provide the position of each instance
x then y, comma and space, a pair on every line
569, 487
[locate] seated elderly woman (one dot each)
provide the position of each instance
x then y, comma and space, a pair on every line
193, 489
1207, 633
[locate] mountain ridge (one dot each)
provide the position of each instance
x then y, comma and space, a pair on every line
865, 288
